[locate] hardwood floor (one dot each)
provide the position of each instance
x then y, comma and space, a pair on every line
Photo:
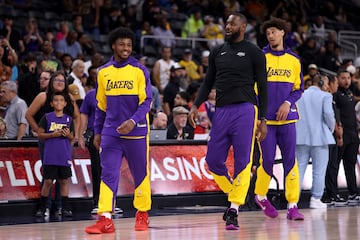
331, 223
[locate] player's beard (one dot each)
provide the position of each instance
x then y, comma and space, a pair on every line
181, 81
232, 37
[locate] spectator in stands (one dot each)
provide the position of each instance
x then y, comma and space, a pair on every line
91, 79
16, 125
109, 17
177, 76
233, 5
68, 7
342, 19
56, 129
163, 30
156, 102
14, 67
328, 59
203, 123
213, 32
2, 128
312, 71
11, 34
31, 36
332, 38
300, 34
9, 58
40, 106
194, 71
192, 91
308, 52
194, 25
291, 39
151, 11
45, 79
46, 60
176, 19
308, 83
28, 83
50, 37
251, 30
160, 121
76, 76
63, 31
87, 45
66, 62
210, 104
314, 135
97, 59
204, 63
355, 81
257, 9
145, 29
76, 24
179, 129
130, 15
69, 45
161, 69
182, 98
318, 30
90, 12
24, 5
5, 71
348, 151
75, 94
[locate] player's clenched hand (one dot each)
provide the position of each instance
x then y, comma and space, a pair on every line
126, 127
261, 130
193, 116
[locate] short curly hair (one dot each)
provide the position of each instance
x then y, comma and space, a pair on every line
274, 22
121, 32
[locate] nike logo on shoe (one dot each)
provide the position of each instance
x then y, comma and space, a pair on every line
107, 227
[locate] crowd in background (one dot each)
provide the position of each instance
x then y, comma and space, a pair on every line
71, 36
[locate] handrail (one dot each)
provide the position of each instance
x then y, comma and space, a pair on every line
348, 37
328, 72
193, 40
350, 46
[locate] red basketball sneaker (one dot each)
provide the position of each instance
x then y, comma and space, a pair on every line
103, 225
141, 221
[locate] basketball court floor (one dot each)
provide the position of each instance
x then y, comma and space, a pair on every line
332, 223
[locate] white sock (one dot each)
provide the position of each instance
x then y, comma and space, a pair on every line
261, 197
106, 214
291, 205
235, 206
